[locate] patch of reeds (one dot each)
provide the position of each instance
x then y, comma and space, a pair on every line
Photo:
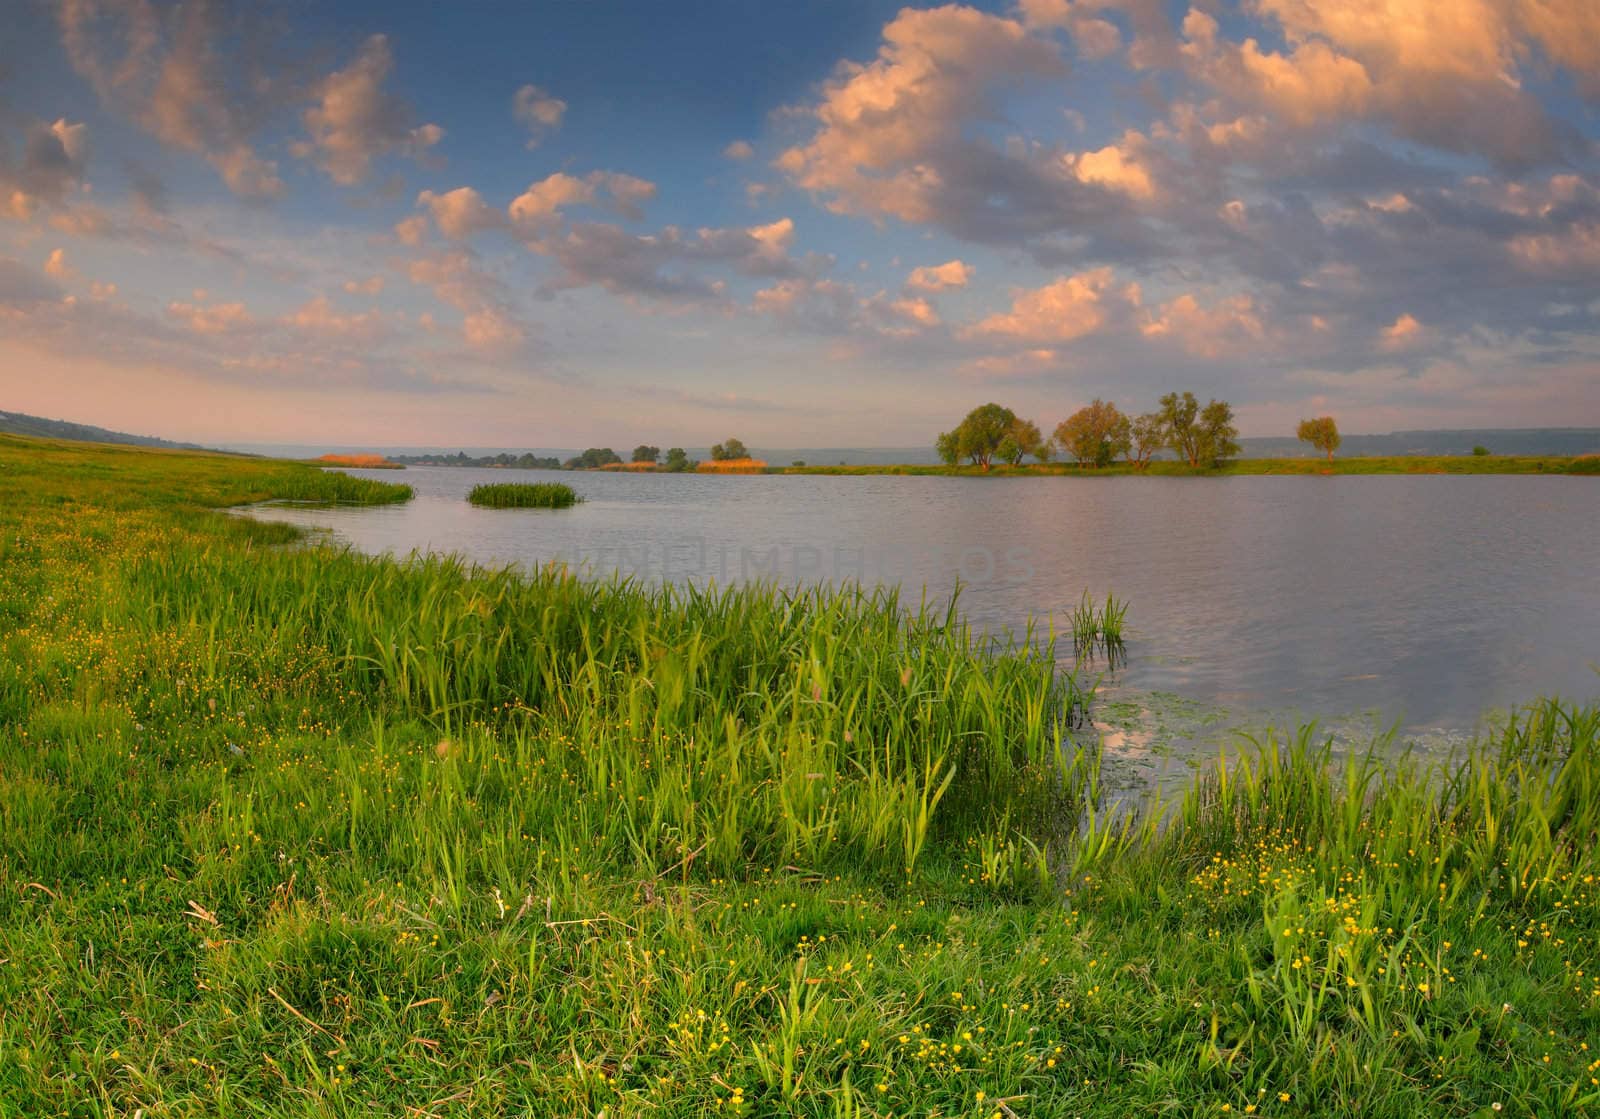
1097, 628
524, 495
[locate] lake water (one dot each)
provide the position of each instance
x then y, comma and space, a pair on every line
1424, 601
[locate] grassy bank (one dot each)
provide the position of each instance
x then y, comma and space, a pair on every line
290, 831
523, 495
1375, 464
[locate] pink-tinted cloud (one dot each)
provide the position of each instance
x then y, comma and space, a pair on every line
353, 120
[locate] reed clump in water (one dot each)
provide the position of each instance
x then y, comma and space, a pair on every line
524, 495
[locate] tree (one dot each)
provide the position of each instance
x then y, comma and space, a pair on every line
949, 447
1009, 451
1025, 434
1201, 437
1149, 435
978, 437
1177, 421
1480, 450
593, 458
727, 452
677, 461
1095, 434
646, 453
1322, 433
1219, 438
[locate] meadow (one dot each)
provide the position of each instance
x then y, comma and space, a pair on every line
524, 495
286, 830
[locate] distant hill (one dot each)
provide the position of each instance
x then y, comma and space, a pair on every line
18, 423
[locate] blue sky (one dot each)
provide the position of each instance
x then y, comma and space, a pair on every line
811, 224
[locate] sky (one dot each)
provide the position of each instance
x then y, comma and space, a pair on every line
820, 223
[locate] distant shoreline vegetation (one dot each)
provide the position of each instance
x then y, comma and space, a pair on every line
1167, 468
540, 495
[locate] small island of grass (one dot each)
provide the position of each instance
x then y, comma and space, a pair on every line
521, 495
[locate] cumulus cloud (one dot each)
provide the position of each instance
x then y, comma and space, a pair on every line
1066, 309
1231, 325
538, 112
461, 212
938, 277
892, 135
1447, 75
354, 120
538, 209
739, 149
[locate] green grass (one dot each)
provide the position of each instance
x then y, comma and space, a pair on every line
292, 831
1373, 464
524, 495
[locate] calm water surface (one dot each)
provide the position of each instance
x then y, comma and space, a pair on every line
1425, 600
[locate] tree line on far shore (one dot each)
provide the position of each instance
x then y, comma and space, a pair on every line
677, 460
1099, 433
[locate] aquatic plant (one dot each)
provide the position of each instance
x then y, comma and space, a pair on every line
524, 495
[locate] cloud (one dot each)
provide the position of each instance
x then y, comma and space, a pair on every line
372, 285
489, 325
1232, 325
1119, 167
1062, 311
1446, 75
1404, 332
353, 121
173, 72
319, 318
461, 212
50, 171
212, 318
891, 136
538, 112
739, 149
537, 210
56, 266
938, 277
21, 286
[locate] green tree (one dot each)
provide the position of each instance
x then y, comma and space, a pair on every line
1480, 450
677, 460
1322, 433
593, 458
646, 453
1149, 435
1219, 437
1095, 434
979, 435
1009, 451
1025, 433
726, 452
949, 447
1178, 416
